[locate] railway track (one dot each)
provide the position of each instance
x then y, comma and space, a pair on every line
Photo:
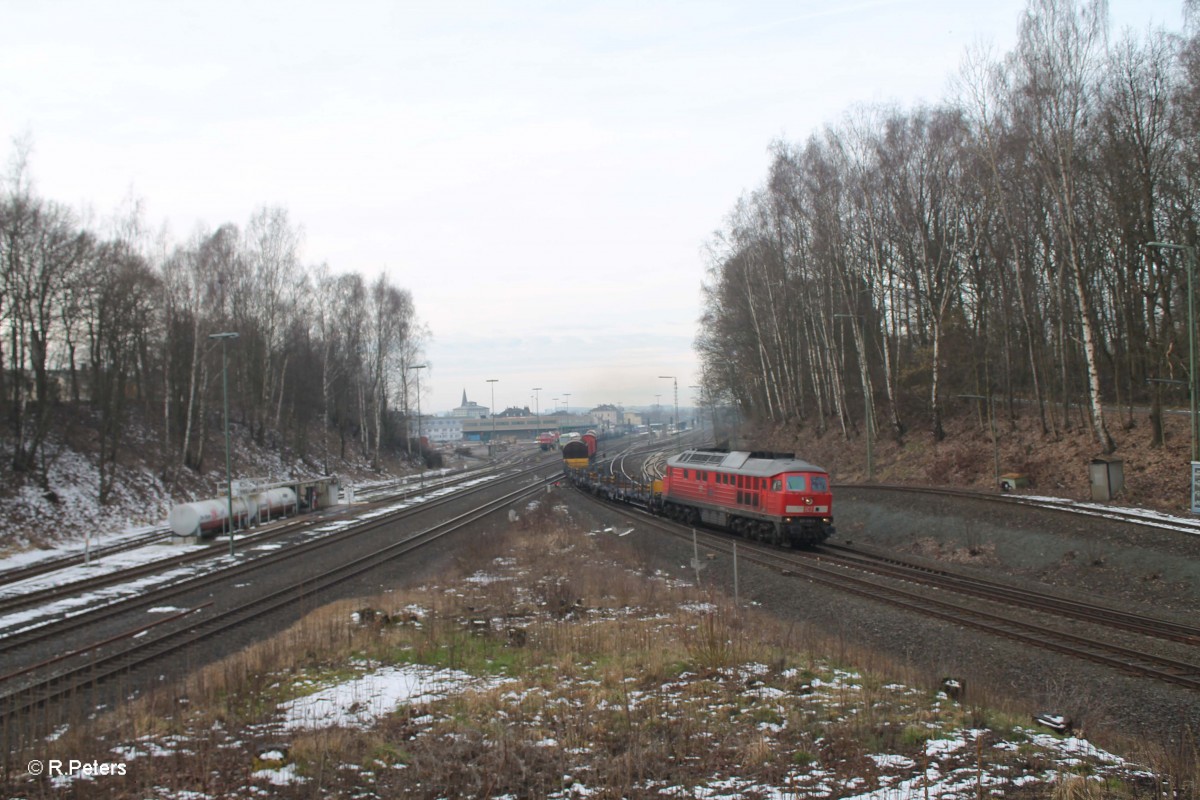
68, 675
16, 599
641, 462
1059, 505
47, 565
1006, 611
1059, 605
59, 625
372, 494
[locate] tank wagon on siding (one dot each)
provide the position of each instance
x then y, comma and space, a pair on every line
252, 503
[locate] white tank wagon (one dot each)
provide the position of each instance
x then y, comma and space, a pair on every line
251, 505
206, 517
273, 503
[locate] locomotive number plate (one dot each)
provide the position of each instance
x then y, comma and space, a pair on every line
808, 509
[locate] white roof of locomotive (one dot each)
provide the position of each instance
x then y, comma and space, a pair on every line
741, 462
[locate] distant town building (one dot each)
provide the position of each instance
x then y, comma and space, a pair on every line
512, 412
442, 429
470, 410
607, 416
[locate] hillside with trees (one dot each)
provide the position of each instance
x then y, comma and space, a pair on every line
106, 334
1016, 246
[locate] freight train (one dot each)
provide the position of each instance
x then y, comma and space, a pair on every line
769, 497
578, 453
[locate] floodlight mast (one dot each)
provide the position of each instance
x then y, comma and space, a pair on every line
492, 413
675, 385
417, 368
225, 337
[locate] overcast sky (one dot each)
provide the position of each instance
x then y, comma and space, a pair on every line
542, 176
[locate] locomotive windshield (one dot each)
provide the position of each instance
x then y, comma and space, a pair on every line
814, 483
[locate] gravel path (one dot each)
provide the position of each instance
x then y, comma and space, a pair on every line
1155, 572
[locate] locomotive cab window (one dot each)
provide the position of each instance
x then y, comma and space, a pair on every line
819, 484
795, 483
776, 485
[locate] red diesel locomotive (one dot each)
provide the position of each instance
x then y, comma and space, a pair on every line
772, 497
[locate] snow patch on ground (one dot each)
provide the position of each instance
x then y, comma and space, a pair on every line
359, 702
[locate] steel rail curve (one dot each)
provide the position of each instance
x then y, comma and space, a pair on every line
793, 564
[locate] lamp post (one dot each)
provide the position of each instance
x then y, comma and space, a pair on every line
991, 409
1190, 252
224, 337
537, 411
675, 384
492, 413
417, 368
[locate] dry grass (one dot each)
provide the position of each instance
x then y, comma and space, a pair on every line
601, 676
